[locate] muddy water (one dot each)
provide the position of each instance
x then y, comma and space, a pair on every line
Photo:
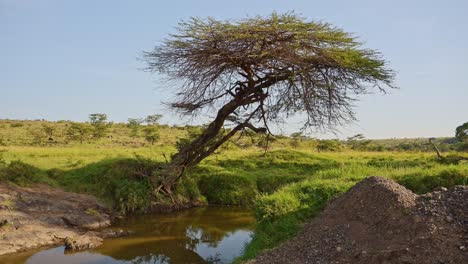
201, 235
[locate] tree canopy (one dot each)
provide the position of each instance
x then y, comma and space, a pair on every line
284, 62
259, 70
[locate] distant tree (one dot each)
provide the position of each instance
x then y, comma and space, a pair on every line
356, 137
461, 132
329, 145
261, 70
153, 119
99, 123
78, 131
37, 135
134, 125
358, 142
151, 134
296, 139
48, 131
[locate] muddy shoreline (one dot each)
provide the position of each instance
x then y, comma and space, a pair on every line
41, 216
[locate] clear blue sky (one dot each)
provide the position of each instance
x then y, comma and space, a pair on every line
66, 59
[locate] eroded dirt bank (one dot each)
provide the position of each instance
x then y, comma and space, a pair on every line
380, 221
41, 216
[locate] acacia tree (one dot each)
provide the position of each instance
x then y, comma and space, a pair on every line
261, 70
461, 132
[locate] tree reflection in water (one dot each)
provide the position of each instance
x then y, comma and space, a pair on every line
201, 235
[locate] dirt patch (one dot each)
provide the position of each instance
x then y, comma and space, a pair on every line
380, 221
41, 216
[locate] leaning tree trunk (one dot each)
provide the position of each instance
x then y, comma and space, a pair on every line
436, 149
199, 149
207, 143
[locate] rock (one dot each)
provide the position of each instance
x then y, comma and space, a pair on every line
109, 233
82, 242
44, 216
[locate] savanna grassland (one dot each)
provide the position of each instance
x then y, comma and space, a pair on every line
285, 185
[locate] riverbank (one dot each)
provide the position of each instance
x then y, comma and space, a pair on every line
42, 216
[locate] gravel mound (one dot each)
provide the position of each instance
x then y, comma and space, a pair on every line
380, 221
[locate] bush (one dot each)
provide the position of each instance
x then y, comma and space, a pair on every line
275, 205
16, 125
269, 235
22, 174
390, 162
187, 191
130, 196
270, 183
228, 189
423, 183
124, 183
282, 213
304, 199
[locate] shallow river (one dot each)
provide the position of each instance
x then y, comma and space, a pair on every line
201, 235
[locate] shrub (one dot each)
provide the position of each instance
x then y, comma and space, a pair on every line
124, 183
227, 188
304, 199
130, 196
282, 213
275, 205
422, 182
187, 191
22, 174
270, 234
270, 183
16, 125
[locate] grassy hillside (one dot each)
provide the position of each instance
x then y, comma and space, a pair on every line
33, 133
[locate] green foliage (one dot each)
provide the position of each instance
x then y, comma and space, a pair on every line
461, 132
282, 213
48, 130
153, 120
329, 145
270, 183
269, 235
134, 125
305, 198
124, 183
358, 142
151, 134
187, 191
16, 125
296, 139
227, 188
37, 136
99, 123
426, 182
22, 174
192, 134
78, 131
130, 196
275, 205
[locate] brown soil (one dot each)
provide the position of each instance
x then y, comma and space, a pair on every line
41, 216
380, 221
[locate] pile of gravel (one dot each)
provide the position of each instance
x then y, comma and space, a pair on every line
380, 221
